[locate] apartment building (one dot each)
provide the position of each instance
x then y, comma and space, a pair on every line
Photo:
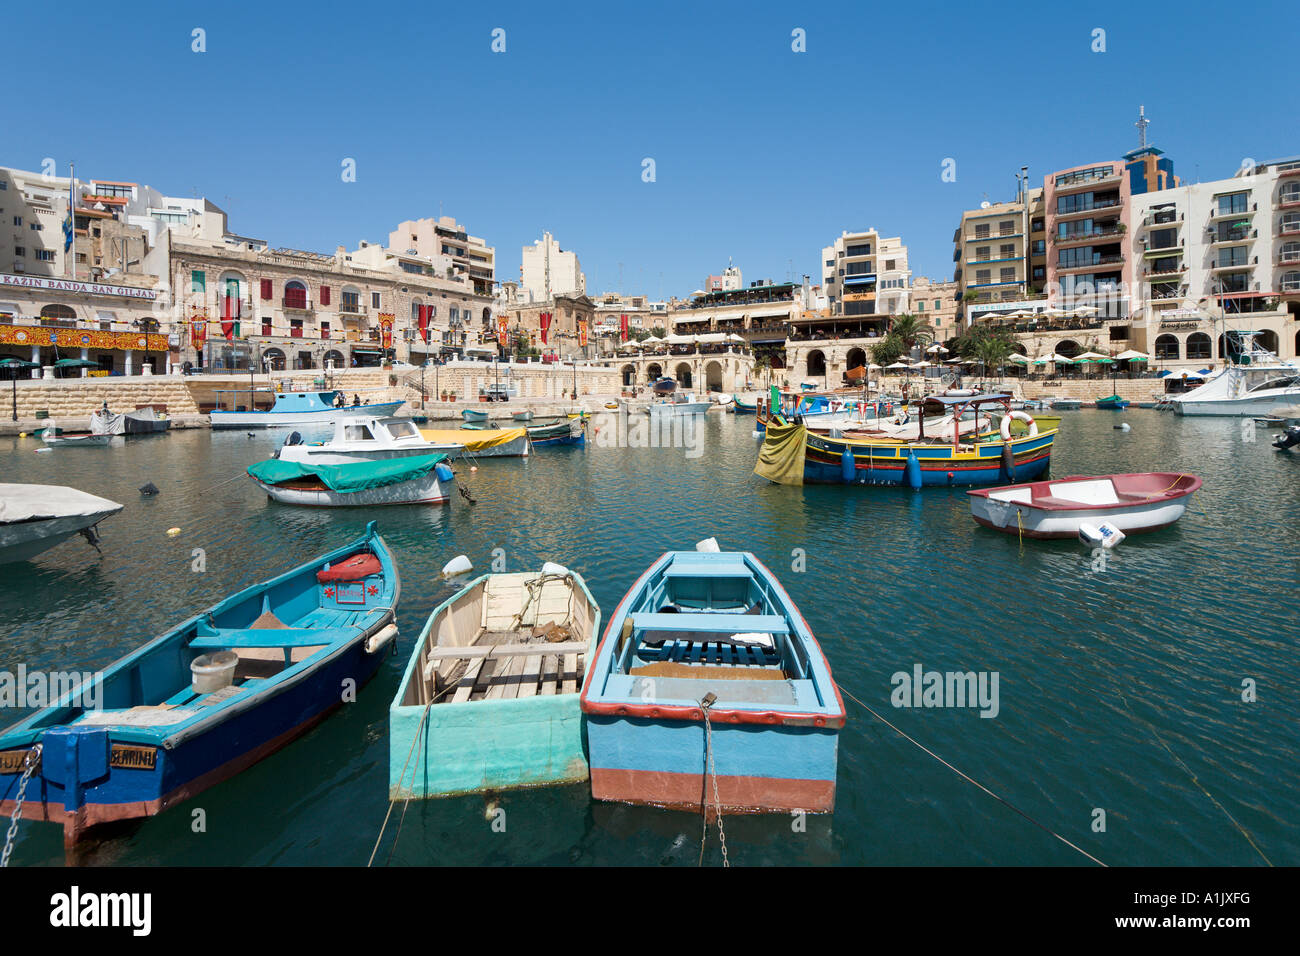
449, 249
1000, 251
548, 271
934, 302
866, 275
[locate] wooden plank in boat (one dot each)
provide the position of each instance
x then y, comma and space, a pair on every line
505, 650
505, 683
532, 674
569, 674
465, 686
550, 674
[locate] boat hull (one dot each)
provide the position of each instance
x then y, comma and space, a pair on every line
325, 416
1038, 523
888, 464
1133, 503
1236, 407
23, 541
428, 490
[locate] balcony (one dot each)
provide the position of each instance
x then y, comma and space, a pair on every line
351, 309
1235, 235
1288, 257
1221, 214
1153, 272
1237, 265
990, 236
1157, 220
1085, 177
1102, 233
1106, 203
1157, 252
979, 259
1289, 286
1289, 227
1114, 259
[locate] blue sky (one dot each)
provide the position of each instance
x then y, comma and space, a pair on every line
761, 153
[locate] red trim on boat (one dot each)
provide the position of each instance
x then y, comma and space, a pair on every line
738, 794
356, 568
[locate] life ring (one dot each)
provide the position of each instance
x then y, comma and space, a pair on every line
1005, 427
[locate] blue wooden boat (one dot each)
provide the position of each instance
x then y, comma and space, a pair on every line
474, 415
292, 409
1114, 402
489, 698
743, 407
716, 634
664, 385
209, 698
570, 431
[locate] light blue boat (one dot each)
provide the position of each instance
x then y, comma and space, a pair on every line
209, 698
474, 415
712, 635
294, 409
489, 698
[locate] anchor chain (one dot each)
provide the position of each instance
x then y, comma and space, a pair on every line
711, 769
29, 767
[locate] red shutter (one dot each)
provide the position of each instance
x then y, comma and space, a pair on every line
324, 295
266, 289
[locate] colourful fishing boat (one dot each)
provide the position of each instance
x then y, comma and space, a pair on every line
570, 431
707, 663
743, 407
209, 698
1133, 503
489, 698
791, 454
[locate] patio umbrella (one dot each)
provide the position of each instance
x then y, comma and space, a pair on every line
1018, 359
1132, 355
16, 365
1092, 357
75, 363
897, 365
936, 349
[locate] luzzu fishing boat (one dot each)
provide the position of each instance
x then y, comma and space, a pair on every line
209, 698
489, 698
742, 407
792, 454
708, 681
570, 431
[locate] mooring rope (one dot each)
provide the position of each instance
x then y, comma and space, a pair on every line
970, 779
711, 772
1196, 781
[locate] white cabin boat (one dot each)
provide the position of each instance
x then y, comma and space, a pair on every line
366, 439
1254, 385
298, 408
34, 518
680, 403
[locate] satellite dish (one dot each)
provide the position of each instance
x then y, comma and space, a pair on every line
984, 204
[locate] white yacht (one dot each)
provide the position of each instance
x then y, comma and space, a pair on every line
365, 439
1254, 385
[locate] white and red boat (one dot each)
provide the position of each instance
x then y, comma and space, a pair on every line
1133, 503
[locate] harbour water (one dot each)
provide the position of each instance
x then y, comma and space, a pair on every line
1120, 685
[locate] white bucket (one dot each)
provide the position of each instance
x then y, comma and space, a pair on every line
1104, 535
211, 672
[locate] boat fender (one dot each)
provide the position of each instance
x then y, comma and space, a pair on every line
1005, 427
1124, 427
550, 567
708, 545
1008, 461
847, 467
913, 471
955, 392
457, 565
380, 639
443, 472
1104, 535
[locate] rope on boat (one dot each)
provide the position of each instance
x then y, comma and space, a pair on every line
711, 770
1198, 783
29, 767
970, 779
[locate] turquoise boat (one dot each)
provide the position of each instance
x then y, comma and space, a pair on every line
209, 698
489, 698
474, 415
1114, 402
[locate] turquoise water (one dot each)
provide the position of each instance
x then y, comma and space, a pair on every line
1117, 688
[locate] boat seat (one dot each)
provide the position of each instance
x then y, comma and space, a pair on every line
235, 637
713, 570
711, 623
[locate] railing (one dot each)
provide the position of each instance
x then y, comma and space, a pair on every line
352, 308
1165, 270
1090, 207
1094, 234
1095, 261
1156, 220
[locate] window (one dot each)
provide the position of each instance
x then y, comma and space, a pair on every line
18, 220
1164, 238
374, 300
983, 277
358, 433
47, 255
197, 281
1007, 251
3, 185
1038, 225
981, 253
1039, 247
936, 303
1040, 272
324, 295
266, 326
1007, 226
37, 227
889, 264
1009, 274
266, 291
982, 231
324, 330
862, 249
830, 263
351, 302
1233, 203
20, 250
920, 305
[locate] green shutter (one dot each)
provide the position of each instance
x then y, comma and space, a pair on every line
197, 283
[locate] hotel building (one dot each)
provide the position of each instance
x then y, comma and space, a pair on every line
548, 271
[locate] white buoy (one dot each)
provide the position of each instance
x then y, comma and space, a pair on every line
709, 545
757, 434
1104, 535
550, 567
457, 565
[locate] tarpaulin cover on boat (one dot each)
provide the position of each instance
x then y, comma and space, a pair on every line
780, 459
354, 476
473, 439
36, 502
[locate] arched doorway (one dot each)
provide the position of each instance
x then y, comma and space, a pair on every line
335, 358
629, 376
857, 358
713, 376
683, 375
1068, 347
1268, 339
273, 360
1198, 346
653, 371
816, 362
1167, 349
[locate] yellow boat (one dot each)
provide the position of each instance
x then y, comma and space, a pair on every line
482, 443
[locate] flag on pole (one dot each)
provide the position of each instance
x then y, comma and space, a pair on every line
68, 222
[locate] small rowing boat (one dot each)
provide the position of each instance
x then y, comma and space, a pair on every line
208, 699
474, 415
1113, 402
34, 518
414, 480
707, 663
489, 698
1133, 503
569, 431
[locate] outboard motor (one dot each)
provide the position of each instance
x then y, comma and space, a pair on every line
295, 438
1288, 439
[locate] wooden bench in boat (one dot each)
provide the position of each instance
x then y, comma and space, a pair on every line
273, 637
711, 623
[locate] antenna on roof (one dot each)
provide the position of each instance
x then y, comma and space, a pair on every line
1142, 124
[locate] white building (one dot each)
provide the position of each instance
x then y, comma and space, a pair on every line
548, 271
865, 274
449, 249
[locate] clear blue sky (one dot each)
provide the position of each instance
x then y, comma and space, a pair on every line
762, 154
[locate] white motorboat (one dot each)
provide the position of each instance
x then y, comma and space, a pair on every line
34, 518
1253, 386
416, 480
366, 439
294, 409
680, 403
53, 435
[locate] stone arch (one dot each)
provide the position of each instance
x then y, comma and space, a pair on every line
57, 310
629, 375
1167, 348
653, 371
713, 376
856, 358
683, 374
1268, 339
815, 363
1199, 346
335, 356
273, 359
1068, 347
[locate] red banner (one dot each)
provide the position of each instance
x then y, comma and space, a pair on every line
386, 329
503, 330
622, 328
582, 333
424, 324
545, 319
198, 328
230, 306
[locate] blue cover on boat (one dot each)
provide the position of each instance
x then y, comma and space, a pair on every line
354, 476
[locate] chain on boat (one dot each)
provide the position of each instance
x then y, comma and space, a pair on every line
710, 768
29, 767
